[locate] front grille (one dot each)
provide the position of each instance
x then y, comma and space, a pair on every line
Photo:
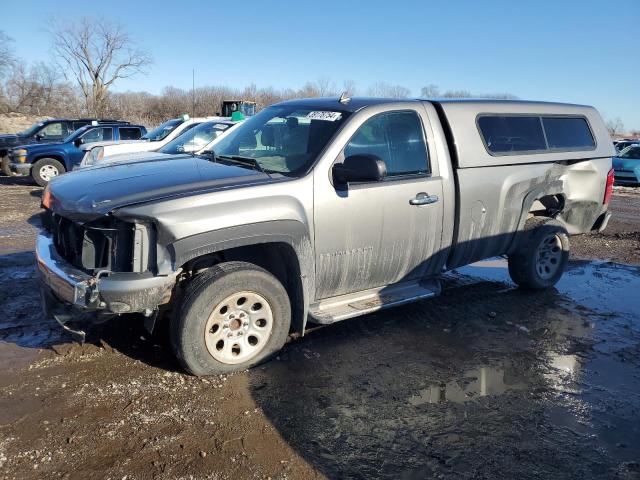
105, 244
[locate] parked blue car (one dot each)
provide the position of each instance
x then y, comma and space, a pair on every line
626, 166
45, 161
46, 131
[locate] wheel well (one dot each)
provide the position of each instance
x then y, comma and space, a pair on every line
547, 206
278, 258
54, 157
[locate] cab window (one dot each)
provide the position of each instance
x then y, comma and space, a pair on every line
53, 130
130, 133
395, 137
98, 135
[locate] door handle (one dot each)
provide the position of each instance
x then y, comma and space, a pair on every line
423, 198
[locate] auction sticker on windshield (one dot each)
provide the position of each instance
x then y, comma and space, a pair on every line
328, 116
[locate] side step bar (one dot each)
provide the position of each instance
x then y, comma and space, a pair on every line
351, 305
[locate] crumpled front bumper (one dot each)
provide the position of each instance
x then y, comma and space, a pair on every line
70, 294
20, 168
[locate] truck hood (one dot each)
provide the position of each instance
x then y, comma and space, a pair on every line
628, 164
87, 194
11, 140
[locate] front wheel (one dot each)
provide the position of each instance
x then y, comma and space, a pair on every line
233, 316
45, 169
542, 255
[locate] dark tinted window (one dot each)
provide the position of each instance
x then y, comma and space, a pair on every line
567, 132
631, 153
396, 138
130, 133
512, 133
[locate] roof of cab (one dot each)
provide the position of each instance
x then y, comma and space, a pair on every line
357, 103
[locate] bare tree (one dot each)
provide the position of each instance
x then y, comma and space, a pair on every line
350, 87
6, 53
430, 91
615, 126
325, 87
97, 53
383, 89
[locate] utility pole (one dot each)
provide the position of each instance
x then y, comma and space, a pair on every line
193, 92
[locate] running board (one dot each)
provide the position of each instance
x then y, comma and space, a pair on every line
351, 305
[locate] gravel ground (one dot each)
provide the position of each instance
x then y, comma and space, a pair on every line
484, 382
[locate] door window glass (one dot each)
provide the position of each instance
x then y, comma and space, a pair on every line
396, 138
98, 135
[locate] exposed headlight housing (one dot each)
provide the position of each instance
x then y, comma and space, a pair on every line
19, 155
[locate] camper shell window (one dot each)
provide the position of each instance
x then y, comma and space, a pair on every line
525, 134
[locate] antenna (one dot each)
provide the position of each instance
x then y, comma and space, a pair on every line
193, 92
344, 98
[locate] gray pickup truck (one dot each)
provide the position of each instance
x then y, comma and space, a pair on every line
320, 210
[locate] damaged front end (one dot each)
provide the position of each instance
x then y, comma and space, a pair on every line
90, 272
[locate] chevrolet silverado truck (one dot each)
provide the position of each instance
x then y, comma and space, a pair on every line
319, 210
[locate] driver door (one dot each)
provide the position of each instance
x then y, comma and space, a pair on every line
373, 234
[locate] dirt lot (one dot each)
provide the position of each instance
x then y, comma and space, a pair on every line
483, 382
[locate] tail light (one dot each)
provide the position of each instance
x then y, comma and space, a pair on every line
608, 190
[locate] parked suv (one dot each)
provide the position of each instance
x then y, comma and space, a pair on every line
45, 161
156, 138
194, 140
52, 130
320, 210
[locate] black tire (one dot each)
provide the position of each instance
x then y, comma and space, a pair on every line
540, 236
44, 163
206, 292
5, 167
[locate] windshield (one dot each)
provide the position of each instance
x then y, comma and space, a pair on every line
31, 130
195, 138
631, 153
283, 139
159, 133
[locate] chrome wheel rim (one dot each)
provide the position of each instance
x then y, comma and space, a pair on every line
47, 172
239, 327
549, 256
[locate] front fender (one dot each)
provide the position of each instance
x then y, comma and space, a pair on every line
291, 232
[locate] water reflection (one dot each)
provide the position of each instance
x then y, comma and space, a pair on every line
495, 380
478, 382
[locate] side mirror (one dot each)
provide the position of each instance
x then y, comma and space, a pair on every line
78, 141
360, 168
39, 136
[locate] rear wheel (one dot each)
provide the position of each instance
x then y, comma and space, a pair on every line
542, 256
233, 316
45, 169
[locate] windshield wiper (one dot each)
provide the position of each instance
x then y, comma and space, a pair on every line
246, 161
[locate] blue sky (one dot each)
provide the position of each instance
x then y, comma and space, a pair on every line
574, 51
